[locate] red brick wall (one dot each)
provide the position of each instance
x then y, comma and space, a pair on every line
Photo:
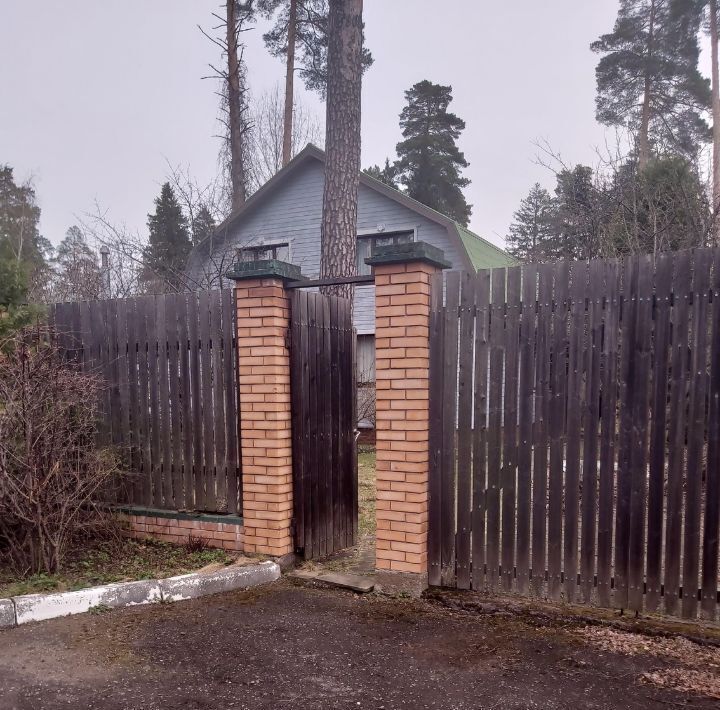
266, 442
222, 535
402, 322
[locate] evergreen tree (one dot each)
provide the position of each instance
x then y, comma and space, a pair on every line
20, 222
338, 228
77, 271
531, 231
577, 216
648, 80
663, 208
169, 242
386, 174
203, 225
308, 33
429, 161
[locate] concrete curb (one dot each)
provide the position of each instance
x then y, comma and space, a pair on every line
39, 607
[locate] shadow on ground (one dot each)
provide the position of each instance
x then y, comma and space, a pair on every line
286, 646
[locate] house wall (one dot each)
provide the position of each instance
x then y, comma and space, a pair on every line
293, 214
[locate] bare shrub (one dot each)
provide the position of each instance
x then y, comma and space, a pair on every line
50, 466
196, 544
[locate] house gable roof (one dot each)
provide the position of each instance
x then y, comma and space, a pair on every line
477, 253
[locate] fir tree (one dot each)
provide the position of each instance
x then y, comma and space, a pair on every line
531, 231
386, 174
576, 216
429, 161
169, 242
203, 225
648, 80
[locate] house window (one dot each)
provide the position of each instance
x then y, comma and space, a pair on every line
281, 252
367, 243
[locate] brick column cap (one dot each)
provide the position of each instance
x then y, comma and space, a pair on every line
264, 269
407, 253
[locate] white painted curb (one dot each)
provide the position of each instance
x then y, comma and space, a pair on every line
39, 607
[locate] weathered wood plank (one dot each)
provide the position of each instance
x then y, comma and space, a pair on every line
450, 334
591, 417
641, 373
229, 396
464, 436
480, 413
658, 430
711, 528
696, 433
575, 411
525, 427
676, 432
608, 428
510, 418
196, 394
540, 428
556, 424
495, 414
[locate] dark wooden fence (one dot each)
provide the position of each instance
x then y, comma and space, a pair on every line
322, 357
575, 431
170, 404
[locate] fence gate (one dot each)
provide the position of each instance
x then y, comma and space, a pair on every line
575, 431
323, 424
169, 406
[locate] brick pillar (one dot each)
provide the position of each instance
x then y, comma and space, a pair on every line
263, 320
402, 351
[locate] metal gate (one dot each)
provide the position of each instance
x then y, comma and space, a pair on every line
323, 424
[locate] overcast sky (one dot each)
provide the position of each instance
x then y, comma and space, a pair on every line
96, 96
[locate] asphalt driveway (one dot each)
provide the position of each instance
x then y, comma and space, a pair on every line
287, 646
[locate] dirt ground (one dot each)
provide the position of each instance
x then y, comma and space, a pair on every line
289, 646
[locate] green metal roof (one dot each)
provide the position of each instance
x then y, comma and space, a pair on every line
482, 253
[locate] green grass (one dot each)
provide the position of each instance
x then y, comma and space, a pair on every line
366, 493
113, 561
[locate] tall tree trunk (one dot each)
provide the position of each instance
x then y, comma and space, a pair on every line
338, 234
716, 119
235, 118
644, 137
289, 79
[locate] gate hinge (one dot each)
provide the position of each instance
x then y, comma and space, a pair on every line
288, 338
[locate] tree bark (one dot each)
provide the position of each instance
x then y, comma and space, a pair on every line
644, 137
289, 79
716, 119
235, 99
338, 234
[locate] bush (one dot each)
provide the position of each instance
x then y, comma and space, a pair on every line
50, 465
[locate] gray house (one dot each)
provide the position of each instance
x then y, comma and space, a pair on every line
282, 221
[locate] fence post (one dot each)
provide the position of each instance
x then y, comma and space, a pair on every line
402, 359
263, 322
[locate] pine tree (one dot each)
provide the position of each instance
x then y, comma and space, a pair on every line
386, 174
531, 231
429, 161
338, 229
648, 80
169, 242
300, 35
203, 225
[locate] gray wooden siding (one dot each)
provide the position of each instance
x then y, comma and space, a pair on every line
293, 214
